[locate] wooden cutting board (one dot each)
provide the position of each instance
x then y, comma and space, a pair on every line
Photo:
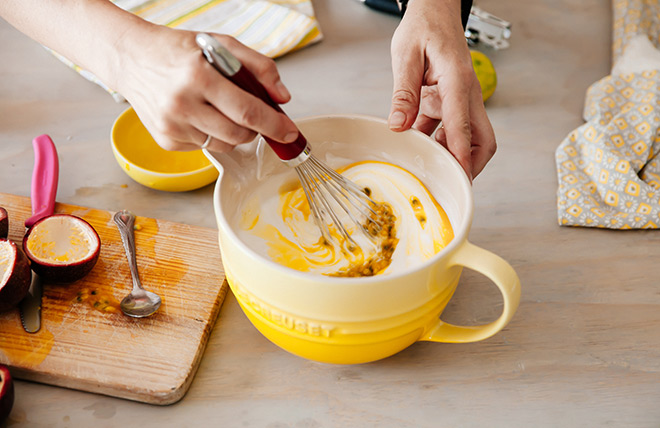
83, 347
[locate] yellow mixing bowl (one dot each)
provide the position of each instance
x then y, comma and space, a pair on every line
150, 165
357, 320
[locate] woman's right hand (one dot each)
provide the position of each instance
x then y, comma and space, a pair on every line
181, 99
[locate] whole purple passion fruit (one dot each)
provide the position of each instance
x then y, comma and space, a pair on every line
6, 393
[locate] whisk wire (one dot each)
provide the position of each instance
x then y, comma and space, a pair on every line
313, 205
314, 180
347, 187
331, 188
351, 192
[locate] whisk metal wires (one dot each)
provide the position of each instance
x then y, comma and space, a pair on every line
322, 185
324, 188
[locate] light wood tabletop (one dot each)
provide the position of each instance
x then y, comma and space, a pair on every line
583, 349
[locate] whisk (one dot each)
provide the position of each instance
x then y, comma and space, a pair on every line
324, 188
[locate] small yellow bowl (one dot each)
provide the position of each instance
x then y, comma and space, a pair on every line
150, 165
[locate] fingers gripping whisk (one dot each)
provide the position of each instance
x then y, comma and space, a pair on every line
328, 192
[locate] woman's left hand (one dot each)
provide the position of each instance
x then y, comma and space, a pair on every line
435, 83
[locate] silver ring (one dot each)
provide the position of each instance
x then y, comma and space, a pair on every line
207, 141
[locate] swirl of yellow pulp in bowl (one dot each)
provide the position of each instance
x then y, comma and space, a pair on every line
277, 224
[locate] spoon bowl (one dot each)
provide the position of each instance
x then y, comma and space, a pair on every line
140, 302
140, 305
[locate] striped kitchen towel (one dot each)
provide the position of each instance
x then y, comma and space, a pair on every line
271, 27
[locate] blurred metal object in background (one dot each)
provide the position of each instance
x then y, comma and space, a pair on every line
483, 27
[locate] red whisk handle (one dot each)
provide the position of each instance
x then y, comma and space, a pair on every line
230, 67
245, 80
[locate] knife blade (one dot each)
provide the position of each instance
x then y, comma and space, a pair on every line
43, 191
30, 306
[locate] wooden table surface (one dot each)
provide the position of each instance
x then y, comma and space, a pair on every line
584, 347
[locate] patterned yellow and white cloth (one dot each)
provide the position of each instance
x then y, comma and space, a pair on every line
609, 168
271, 27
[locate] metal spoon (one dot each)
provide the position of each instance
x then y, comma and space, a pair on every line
140, 302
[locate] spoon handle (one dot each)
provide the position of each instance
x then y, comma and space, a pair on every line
125, 221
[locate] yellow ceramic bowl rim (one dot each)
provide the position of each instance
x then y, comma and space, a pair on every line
113, 138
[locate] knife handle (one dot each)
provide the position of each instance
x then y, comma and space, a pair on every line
44, 179
387, 6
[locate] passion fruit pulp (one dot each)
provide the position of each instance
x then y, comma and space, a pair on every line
15, 275
6, 393
62, 248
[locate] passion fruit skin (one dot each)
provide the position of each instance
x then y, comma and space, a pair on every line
18, 283
4, 223
6, 393
58, 274
62, 273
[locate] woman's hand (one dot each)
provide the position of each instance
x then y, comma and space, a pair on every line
434, 83
179, 97
182, 99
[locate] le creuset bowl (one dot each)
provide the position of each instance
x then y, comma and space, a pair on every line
357, 320
150, 165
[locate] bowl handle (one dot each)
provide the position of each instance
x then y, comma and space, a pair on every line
502, 274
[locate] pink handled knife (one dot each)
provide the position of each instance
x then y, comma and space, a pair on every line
42, 194
44, 179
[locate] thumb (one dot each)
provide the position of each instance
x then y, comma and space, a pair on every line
408, 71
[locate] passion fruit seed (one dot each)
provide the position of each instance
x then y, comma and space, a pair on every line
386, 234
15, 275
62, 248
4, 223
98, 300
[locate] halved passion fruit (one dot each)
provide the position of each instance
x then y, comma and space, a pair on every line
4, 223
6, 393
62, 248
15, 275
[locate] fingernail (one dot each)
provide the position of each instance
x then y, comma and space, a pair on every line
290, 137
284, 92
397, 119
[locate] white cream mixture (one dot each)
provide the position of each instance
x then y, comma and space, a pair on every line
276, 223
